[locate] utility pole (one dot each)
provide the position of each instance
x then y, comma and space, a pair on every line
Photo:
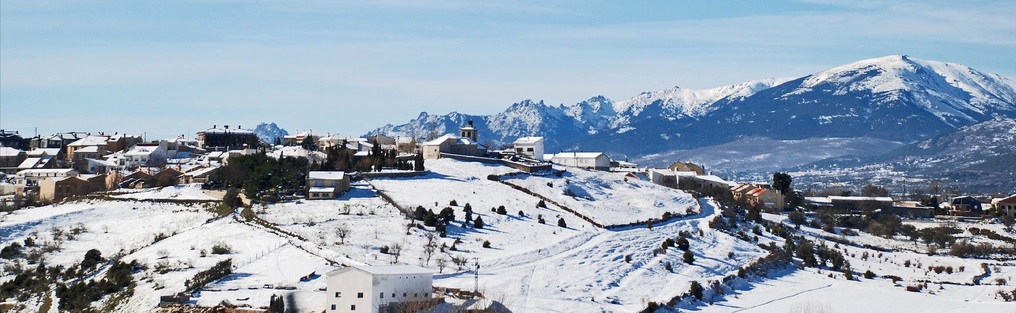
476, 277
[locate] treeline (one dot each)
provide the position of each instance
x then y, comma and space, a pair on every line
262, 178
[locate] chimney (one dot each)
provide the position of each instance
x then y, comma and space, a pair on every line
213, 126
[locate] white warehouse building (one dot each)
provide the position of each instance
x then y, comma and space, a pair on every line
587, 160
375, 288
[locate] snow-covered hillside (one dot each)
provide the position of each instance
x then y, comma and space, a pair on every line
525, 265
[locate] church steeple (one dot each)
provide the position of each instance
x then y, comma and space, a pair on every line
468, 131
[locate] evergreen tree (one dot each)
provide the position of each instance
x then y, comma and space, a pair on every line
420, 213
430, 219
561, 223
418, 162
782, 181
447, 215
689, 257
696, 290
478, 223
309, 142
276, 304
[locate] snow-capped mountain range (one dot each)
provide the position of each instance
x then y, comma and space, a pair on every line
896, 98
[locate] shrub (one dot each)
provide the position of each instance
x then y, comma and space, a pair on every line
92, 258
696, 290
668, 267
501, 210
689, 257
869, 274
522, 214
221, 248
627, 258
683, 244
219, 271
11, 251
453, 203
539, 219
384, 249
541, 204
561, 223
478, 223
486, 244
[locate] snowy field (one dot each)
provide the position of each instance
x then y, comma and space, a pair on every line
180, 192
608, 198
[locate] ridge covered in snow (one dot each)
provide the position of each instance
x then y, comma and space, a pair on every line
896, 98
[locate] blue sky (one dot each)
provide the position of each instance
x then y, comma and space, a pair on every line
167, 68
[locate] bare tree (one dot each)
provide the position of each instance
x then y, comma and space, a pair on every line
428, 250
396, 251
342, 231
459, 262
441, 263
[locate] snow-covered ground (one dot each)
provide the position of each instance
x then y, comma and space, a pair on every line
180, 192
529, 266
608, 198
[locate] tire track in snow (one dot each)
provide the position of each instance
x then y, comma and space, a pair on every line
783, 298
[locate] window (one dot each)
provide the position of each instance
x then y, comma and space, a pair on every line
393, 295
404, 294
333, 307
416, 295
338, 294
359, 295
352, 307
382, 295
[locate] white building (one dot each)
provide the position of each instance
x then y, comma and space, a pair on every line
144, 155
34, 176
529, 146
589, 160
373, 288
326, 184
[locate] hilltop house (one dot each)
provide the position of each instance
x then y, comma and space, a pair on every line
759, 194
34, 176
326, 184
90, 147
587, 160
531, 147
666, 177
144, 155
687, 167
56, 188
377, 288
10, 159
1007, 206
850, 204
965, 205
405, 144
225, 139
12, 139
464, 144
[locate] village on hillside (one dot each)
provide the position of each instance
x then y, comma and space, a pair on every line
324, 220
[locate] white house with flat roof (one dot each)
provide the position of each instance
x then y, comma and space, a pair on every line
529, 146
375, 288
326, 184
